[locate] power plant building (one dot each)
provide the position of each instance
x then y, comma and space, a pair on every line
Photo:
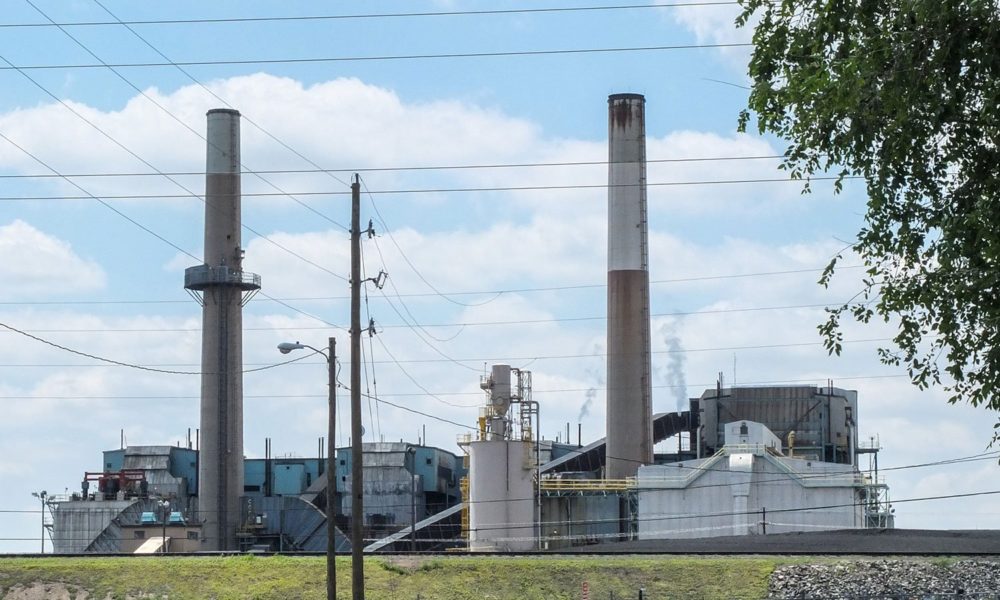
747, 460
282, 507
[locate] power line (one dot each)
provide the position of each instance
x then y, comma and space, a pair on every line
245, 117
420, 386
805, 476
494, 359
466, 190
177, 119
132, 153
376, 417
133, 221
708, 386
102, 202
327, 326
581, 286
293, 18
660, 518
133, 365
409, 263
397, 57
402, 168
723, 514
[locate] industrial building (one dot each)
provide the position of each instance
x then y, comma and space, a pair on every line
733, 475
748, 460
747, 487
282, 507
792, 449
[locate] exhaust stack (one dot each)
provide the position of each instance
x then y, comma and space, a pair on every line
222, 288
629, 392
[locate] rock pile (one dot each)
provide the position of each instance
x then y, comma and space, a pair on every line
897, 579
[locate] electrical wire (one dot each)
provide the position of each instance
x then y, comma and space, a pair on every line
173, 180
170, 114
376, 58
368, 16
136, 366
409, 263
466, 190
424, 295
245, 117
372, 414
327, 326
413, 380
659, 518
102, 202
402, 168
493, 359
811, 381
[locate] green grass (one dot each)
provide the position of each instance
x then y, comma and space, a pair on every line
389, 578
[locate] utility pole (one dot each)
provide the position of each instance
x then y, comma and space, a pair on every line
42, 495
413, 498
331, 478
357, 463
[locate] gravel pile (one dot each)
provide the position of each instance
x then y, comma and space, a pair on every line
898, 579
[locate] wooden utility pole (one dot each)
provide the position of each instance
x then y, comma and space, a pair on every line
357, 481
331, 477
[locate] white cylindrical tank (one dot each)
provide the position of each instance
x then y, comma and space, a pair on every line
500, 388
501, 496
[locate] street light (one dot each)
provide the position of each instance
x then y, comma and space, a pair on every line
331, 466
165, 509
42, 495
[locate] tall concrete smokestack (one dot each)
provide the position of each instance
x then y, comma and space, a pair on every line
629, 397
222, 288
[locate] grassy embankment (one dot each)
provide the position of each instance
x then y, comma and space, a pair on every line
444, 578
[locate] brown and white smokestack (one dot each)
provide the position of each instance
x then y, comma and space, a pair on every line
222, 286
629, 392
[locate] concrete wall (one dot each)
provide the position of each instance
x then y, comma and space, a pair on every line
77, 523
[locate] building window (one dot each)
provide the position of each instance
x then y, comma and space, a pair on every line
429, 461
139, 534
192, 535
744, 430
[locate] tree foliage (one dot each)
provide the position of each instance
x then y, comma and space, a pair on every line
904, 94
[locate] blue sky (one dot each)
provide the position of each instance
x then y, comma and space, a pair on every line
80, 275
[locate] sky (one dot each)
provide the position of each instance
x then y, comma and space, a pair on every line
101, 143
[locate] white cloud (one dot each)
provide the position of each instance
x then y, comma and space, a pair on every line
716, 25
37, 265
